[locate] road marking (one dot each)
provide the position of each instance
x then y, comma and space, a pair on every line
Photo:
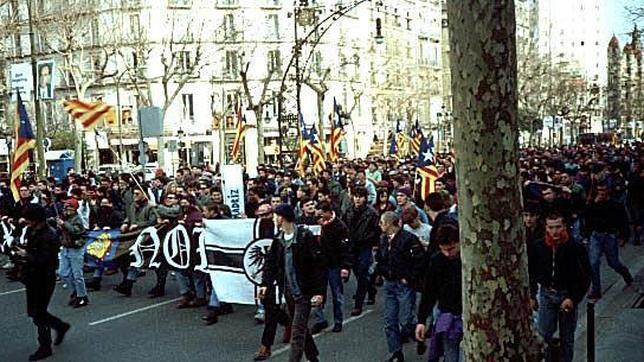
352, 319
13, 291
118, 316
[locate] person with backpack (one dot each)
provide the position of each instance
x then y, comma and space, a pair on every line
399, 252
561, 269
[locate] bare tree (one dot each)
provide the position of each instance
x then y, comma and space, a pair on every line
257, 105
73, 35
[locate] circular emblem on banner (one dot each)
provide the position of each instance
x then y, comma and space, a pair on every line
255, 259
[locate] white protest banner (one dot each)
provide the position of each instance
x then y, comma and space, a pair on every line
21, 80
233, 187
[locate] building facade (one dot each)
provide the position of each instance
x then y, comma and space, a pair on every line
187, 58
625, 101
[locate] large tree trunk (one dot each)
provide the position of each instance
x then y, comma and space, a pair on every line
496, 308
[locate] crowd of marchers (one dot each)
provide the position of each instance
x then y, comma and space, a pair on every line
402, 247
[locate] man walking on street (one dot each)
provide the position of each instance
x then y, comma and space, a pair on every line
362, 221
40, 257
561, 268
337, 250
73, 254
396, 258
607, 225
295, 261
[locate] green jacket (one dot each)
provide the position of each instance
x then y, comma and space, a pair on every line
169, 212
143, 215
73, 232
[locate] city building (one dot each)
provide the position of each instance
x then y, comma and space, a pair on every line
625, 100
197, 59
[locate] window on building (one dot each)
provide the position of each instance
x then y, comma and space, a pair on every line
229, 2
135, 25
95, 32
317, 61
183, 61
188, 107
231, 103
273, 26
274, 60
232, 63
408, 21
229, 25
180, 3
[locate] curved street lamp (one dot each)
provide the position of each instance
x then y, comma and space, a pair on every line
308, 19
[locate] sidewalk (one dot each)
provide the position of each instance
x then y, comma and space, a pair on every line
619, 327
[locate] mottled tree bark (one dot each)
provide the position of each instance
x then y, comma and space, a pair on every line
496, 308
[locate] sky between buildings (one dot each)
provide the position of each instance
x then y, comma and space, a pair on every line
619, 21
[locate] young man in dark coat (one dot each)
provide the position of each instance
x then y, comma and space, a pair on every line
337, 250
396, 257
362, 221
561, 268
296, 264
40, 256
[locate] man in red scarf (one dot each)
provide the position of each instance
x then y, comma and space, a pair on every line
561, 268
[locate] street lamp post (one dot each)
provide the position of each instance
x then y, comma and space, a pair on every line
301, 10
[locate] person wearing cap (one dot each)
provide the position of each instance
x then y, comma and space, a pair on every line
296, 263
40, 255
73, 253
403, 199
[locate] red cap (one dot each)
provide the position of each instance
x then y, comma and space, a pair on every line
72, 202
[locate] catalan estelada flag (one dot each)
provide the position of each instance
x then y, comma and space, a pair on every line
337, 133
240, 131
426, 170
87, 114
25, 142
415, 139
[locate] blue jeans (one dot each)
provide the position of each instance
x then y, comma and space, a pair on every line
337, 290
188, 280
361, 263
213, 303
550, 315
604, 243
398, 301
71, 269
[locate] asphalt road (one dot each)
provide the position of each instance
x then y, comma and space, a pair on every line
116, 328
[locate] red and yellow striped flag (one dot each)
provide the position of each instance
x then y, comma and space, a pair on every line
87, 114
239, 133
25, 142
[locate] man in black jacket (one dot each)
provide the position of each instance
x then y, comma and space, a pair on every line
337, 250
41, 259
362, 221
442, 286
396, 260
295, 262
606, 224
560, 266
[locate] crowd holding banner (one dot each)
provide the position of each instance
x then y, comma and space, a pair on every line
214, 226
